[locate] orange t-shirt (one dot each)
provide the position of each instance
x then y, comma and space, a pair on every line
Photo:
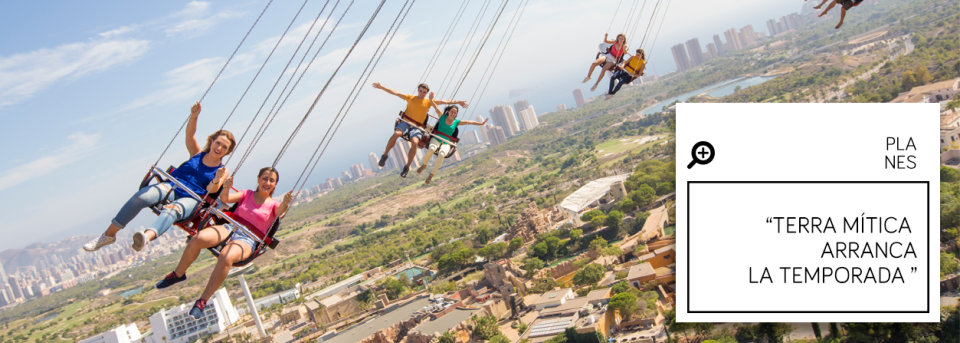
417, 108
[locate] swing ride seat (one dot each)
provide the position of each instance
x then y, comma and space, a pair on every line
422, 144
452, 140
268, 241
191, 223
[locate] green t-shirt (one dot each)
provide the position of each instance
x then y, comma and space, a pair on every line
447, 129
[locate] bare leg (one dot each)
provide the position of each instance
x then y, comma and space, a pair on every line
594, 65
414, 145
843, 13
206, 238
392, 141
829, 7
820, 5
112, 230
602, 72
232, 253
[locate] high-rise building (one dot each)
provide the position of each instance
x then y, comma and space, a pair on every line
528, 117
373, 161
470, 137
693, 50
680, 57
578, 97
772, 27
712, 51
398, 154
504, 117
356, 170
122, 334
482, 131
175, 325
497, 135
520, 105
720, 48
561, 107
733, 40
748, 37
15, 286
346, 175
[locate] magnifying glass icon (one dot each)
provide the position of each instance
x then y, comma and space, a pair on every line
702, 153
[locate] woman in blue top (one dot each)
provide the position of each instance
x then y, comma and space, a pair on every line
202, 173
447, 124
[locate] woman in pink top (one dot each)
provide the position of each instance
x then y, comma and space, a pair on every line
256, 211
608, 58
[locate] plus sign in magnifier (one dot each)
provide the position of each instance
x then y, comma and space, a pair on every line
702, 153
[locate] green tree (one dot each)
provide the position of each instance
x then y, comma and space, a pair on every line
483, 235
614, 220
544, 285
575, 234
948, 174
499, 338
626, 302
598, 243
643, 195
515, 244
493, 251
540, 250
447, 337
589, 275
485, 327
948, 264
590, 215
532, 265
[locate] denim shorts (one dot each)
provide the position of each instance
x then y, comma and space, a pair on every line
409, 130
241, 236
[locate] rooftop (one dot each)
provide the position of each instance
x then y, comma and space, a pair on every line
592, 191
640, 270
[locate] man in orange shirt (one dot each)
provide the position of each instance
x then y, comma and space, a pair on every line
417, 106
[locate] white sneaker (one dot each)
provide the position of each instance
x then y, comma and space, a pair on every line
98, 243
139, 240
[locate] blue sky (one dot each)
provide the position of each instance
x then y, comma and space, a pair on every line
90, 92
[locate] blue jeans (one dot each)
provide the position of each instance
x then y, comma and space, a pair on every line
621, 77
152, 195
238, 235
409, 130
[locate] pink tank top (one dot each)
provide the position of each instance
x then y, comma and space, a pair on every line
259, 217
615, 52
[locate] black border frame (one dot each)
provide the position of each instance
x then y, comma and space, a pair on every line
927, 183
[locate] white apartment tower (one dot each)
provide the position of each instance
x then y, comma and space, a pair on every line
175, 325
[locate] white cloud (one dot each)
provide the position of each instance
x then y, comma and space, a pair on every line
180, 84
117, 31
193, 19
77, 147
23, 75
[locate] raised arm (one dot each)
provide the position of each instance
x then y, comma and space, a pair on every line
227, 196
377, 85
287, 198
192, 146
435, 107
471, 122
217, 181
449, 102
605, 40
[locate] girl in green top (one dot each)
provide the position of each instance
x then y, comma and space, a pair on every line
447, 124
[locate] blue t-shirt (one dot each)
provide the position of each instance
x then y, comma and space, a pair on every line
195, 175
